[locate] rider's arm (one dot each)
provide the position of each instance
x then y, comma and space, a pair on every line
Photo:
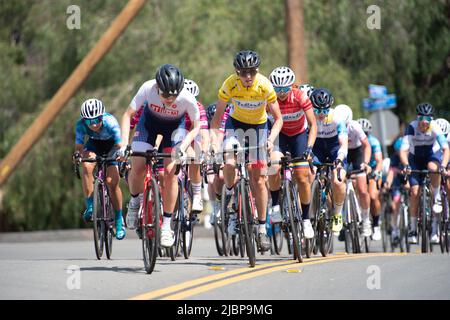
343, 141
442, 140
215, 122
312, 124
367, 150
126, 125
191, 135
278, 120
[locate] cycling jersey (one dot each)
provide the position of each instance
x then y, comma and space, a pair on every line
423, 143
184, 103
329, 132
203, 118
355, 135
375, 146
293, 110
110, 130
249, 103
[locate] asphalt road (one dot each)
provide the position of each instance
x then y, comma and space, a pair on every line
70, 270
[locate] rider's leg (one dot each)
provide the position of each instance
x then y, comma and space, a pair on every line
375, 204
338, 199
196, 182
112, 180
87, 180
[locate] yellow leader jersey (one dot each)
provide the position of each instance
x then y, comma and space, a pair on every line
249, 103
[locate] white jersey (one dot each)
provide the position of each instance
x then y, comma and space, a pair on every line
356, 135
184, 103
422, 143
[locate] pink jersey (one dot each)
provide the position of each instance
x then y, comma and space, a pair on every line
135, 119
203, 118
293, 112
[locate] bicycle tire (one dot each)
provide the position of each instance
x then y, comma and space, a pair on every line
224, 218
355, 224
98, 221
294, 223
189, 224
447, 240
423, 226
384, 226
324, 227
109, 230
313, 214
217, 227
177, 222
247, 219
277, 237
151, 233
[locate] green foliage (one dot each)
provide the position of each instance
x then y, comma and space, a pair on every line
200, 36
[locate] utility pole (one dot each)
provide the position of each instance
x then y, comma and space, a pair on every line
295, 31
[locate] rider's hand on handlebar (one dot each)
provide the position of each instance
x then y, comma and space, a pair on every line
76, 157
406, 170
269, 146
339, 164
308, 154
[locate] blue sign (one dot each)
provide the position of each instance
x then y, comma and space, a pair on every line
377, 92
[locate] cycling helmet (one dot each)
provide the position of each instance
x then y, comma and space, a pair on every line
306, 88
210, 111
344, 112
170, 80
321, 98
365, 124
444, 125
92, 108
425, 109
282, 77
192, 87
246, 59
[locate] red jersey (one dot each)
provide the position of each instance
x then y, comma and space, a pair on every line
203, 118
293, 111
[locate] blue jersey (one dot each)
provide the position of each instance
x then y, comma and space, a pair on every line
110, 130
375, 146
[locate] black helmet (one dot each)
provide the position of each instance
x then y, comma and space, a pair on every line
210, 111
170, 80
246, 59
425, 109
321, 98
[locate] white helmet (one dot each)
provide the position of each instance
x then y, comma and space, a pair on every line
344, 112
192, 87
92, 108
282, 77
444, 124
365, 124
306, 88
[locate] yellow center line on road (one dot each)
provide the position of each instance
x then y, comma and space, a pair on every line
210, 286
200, 285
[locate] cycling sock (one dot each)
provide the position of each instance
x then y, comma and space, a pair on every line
262, 226
376, 221
437, 192
412, 223
338, 208
167, 218
118, 214
218, 197
275, 197
89, 202
365, 213
305, 211
196, 188
134, 195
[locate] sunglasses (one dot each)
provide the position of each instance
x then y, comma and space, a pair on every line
282, 89
245, 72
166, 95
425, 118
90, 122
321, 111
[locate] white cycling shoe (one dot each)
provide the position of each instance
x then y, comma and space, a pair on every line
167, 238
309, 231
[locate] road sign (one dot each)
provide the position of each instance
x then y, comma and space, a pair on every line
377, 92
387, 102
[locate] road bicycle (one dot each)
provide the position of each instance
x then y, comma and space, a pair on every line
103, 213
444, 223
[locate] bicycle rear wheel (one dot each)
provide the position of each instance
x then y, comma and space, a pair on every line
277, 236
246, 215
324, 227
98, 221
151, 216
109, 227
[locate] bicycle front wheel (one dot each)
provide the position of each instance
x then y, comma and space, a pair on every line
294, 222
98, 221
150, 224
109, 227
245, 207
424, 223
357, 241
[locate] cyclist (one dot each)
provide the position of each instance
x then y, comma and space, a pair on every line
307, 88
103, 133
359, 152
393, 181
297, 114
424, 146
376, 165
167, 104
331, 145
249, 92
198, 148
445, 127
